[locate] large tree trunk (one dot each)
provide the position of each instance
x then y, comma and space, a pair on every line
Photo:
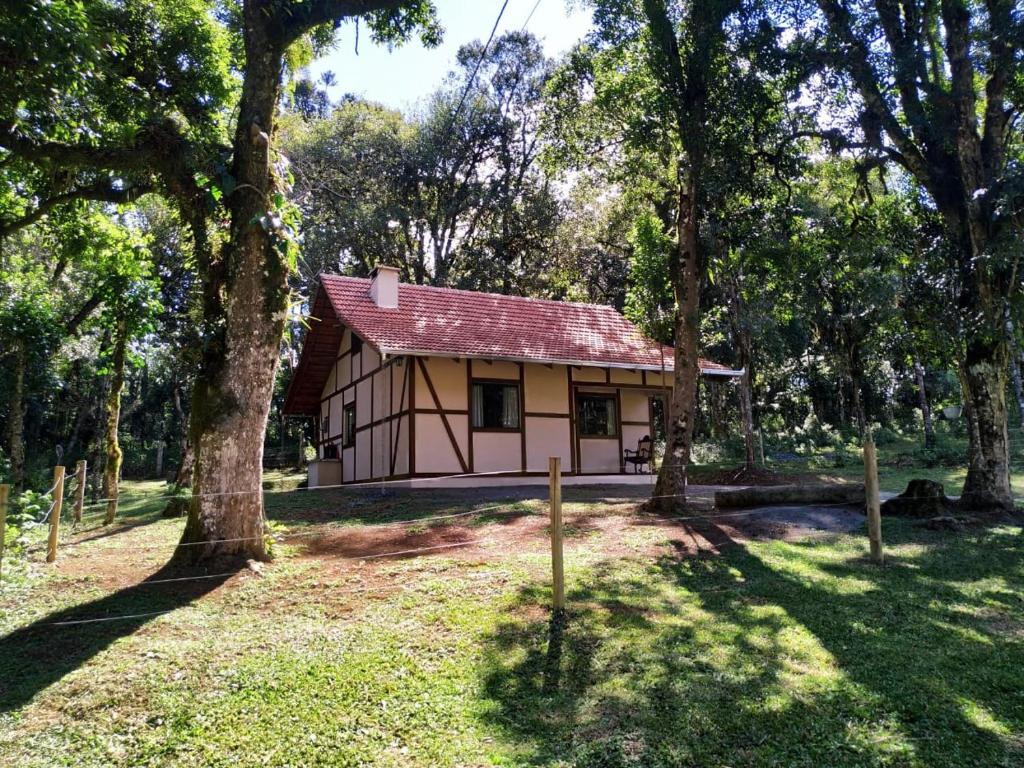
112, 447
988, 470
670, 490
984, 373
16, 417
245, 306
955, 142
926, 409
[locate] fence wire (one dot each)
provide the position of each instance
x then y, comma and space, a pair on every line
77, 526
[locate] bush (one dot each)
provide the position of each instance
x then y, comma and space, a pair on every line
884, 435
945, 453
28, 510
808, 440
728, 450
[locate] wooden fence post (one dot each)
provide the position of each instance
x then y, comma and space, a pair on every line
5, 491
557, 570
80, 475
58, 503
873, 501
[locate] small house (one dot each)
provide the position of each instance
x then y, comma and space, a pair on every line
411, 381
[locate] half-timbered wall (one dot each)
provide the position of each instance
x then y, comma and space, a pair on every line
413, 416
380, 395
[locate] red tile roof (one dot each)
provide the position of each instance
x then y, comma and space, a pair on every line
456, 323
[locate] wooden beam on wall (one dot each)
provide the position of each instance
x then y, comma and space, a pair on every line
443, 415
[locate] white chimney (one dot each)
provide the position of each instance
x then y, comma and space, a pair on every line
384, 287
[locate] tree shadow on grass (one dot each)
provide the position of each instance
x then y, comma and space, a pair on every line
913, 639
40, 654
726, 659
368, 506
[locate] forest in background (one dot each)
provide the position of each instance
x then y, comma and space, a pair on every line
825, 263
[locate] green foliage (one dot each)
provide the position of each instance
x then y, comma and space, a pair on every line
26, 513
650, 303
29, 509
452, 196
101, 70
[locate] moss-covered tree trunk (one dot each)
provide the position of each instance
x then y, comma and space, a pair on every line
988, 469
685, 74
984, 370
245, 295
16, 416
670, 489
952, 127
111, 445
245, 305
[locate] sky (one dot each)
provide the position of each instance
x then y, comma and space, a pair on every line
401, 77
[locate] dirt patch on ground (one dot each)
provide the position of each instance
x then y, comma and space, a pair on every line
354, 558
612, 532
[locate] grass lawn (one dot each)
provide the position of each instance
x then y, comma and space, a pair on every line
685, 645
898, 464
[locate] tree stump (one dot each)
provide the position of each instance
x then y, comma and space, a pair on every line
923, 498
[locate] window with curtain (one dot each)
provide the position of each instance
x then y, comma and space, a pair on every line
596, 416
495, 405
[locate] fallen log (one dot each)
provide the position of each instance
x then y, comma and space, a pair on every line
805, 493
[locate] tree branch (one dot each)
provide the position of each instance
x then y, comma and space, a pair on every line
72, 325
1000, 71
101, 191
909, 68
297, 18
115, 158
855, 53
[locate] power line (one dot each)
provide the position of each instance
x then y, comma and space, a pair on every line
479, 61
523, 28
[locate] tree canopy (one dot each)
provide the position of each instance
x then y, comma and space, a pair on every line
826, 196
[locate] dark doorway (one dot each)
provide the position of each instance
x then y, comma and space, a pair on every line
659, 422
